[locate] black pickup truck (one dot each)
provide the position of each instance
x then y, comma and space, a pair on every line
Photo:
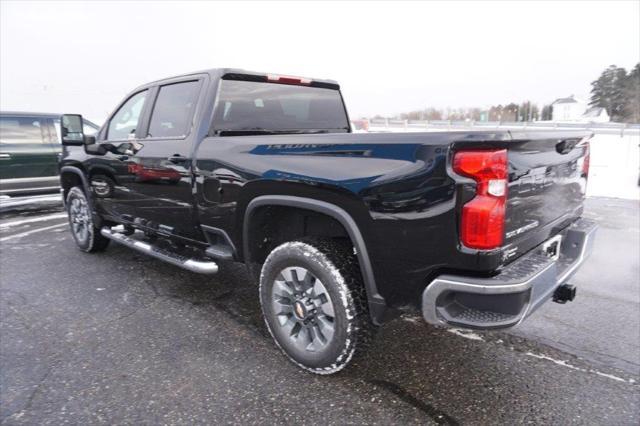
342, 231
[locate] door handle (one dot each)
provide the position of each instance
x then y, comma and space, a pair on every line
5, 156
177, 159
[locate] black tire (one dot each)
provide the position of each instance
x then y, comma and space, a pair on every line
83, 229
330, 269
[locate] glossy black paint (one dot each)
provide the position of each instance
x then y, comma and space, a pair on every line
398, 188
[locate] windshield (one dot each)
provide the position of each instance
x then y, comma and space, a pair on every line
255, 107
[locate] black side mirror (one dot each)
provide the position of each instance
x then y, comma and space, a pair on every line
96, 149
71, 129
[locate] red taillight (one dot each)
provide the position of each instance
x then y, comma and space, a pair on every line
286, 79
586, 160
482, 225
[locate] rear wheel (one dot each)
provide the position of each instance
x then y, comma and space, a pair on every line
83, 230
313, 304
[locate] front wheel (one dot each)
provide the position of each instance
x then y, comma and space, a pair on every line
313, 303
85, 234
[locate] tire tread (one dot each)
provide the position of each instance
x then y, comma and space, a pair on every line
339, 255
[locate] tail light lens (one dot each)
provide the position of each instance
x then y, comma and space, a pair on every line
482, 225
587, 159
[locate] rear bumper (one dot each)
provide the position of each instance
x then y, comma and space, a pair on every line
516, 292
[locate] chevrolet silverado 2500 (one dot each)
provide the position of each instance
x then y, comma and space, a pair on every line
342, 231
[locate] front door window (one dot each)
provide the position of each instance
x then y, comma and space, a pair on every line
125, 122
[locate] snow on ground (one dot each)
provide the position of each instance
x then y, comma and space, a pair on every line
615, 161
615, 166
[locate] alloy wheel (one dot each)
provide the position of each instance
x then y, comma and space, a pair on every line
80, 219
303, 308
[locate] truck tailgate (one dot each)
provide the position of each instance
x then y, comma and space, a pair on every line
547, 185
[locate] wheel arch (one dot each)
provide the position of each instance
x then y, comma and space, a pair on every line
376, 302
69, 177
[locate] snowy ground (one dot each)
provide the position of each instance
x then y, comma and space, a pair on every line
615, 162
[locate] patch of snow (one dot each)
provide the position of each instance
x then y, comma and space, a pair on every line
11, 202
466, 334
611, 376
555, 361
24, 234
584, 370
32, 220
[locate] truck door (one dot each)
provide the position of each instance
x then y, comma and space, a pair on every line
27, 161
154, 184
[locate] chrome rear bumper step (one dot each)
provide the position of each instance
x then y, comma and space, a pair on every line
193, 265
519, 289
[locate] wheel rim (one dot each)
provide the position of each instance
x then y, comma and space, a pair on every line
303, 309
80, 219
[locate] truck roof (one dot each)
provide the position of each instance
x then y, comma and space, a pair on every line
219, 72
30, 113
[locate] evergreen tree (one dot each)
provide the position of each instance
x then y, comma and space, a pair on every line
535, 112
547, 113
608, 92
632, 96
527, 112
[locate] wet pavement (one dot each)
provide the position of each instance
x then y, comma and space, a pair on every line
118, 337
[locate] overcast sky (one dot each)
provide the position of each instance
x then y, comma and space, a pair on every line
388, 57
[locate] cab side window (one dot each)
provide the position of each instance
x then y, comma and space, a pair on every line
173, 110
125, 121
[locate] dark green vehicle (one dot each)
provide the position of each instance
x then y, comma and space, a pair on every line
29, 151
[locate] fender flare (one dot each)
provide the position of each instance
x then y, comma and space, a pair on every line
377, 304
83, 178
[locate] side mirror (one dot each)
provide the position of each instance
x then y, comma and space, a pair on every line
96, 149
71, 129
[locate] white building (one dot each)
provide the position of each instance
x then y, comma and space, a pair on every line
595, 115
568, 109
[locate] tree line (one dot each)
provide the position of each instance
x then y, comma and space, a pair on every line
616, 90
524, 111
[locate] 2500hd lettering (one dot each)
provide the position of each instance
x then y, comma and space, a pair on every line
342, 231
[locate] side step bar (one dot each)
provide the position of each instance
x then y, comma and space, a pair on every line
199, 266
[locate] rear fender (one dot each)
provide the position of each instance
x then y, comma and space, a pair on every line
376, 302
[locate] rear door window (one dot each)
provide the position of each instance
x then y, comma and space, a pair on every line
173, 110
22, 130
125, 122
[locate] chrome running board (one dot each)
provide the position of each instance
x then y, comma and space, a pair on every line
199, 266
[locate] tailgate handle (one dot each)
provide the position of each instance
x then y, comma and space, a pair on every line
566, 146
177, 159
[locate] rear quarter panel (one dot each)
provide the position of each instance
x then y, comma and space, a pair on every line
397, 187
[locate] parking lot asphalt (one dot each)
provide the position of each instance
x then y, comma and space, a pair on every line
120, 338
